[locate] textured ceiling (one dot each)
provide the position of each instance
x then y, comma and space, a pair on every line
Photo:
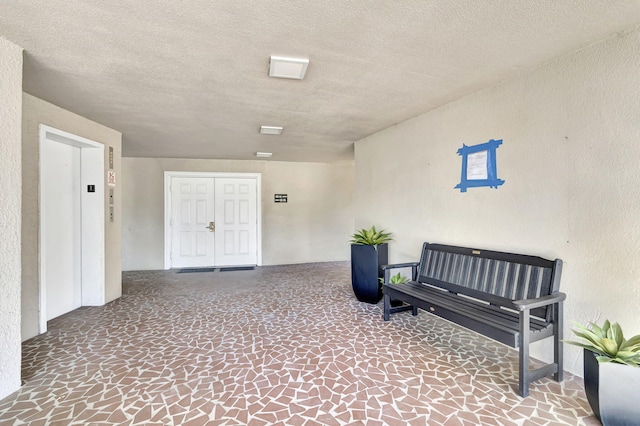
189, 78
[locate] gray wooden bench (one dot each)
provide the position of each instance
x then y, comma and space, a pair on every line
511, 298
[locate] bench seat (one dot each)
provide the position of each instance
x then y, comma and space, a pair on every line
470, 287
491, 321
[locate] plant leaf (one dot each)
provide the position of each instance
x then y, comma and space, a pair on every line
624, 361
603, 358
626, 355
598, 330
610, 346
616, 334
592, 348
634, 341
590, 336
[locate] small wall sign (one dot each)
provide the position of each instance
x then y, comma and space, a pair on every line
111, 178
280, 198
479, 166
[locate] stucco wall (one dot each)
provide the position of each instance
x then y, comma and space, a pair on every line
10, 179
36, 112
314, 226
570, 162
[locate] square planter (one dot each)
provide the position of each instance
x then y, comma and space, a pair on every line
366, 269
612, 391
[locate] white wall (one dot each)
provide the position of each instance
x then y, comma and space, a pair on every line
314, 226
36, 112
570, 159
10, 179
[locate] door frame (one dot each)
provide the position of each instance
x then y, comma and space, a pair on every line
168, 175
92, 217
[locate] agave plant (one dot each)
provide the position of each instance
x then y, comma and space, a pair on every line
396, 279
370, 237
608, 343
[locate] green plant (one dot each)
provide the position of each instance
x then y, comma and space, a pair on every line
396, 279
370, 237
608, 343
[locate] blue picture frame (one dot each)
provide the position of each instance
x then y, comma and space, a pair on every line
479, 166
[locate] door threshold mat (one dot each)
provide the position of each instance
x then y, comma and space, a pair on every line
238, 268
189, 270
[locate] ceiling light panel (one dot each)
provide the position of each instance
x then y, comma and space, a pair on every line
271, 130
282, 67
263, 154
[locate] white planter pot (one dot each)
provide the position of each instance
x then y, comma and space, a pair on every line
612, 391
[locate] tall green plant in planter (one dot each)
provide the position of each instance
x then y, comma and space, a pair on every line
611, 373
369, 251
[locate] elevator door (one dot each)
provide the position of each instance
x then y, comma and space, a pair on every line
63, 224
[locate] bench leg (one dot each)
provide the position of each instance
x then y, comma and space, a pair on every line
387, 306
523, 364
414, 310
557, 341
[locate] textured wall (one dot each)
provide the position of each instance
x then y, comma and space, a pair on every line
10, 179
314, 226
36, 112
570, 162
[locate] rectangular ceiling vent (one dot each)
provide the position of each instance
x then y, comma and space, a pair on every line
271, 130
281, 67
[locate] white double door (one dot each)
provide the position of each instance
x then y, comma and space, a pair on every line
213, 221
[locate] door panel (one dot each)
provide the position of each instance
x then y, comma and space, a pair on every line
63, 223
236, 221
231, 203
192, 210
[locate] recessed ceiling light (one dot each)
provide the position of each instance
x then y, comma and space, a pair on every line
271, 130
281, 67
263, 154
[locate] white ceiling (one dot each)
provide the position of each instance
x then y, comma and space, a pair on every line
189, 78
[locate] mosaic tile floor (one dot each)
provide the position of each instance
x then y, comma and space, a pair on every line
281, 345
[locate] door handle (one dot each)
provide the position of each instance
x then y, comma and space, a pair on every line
211, 227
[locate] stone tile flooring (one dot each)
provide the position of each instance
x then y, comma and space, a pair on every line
280, 345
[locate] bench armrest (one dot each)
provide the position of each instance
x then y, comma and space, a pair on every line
400, 265
387, 270
525, 304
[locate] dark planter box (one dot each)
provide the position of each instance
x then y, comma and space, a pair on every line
366, 269
612, 391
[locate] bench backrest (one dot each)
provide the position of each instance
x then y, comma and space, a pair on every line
492, 276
